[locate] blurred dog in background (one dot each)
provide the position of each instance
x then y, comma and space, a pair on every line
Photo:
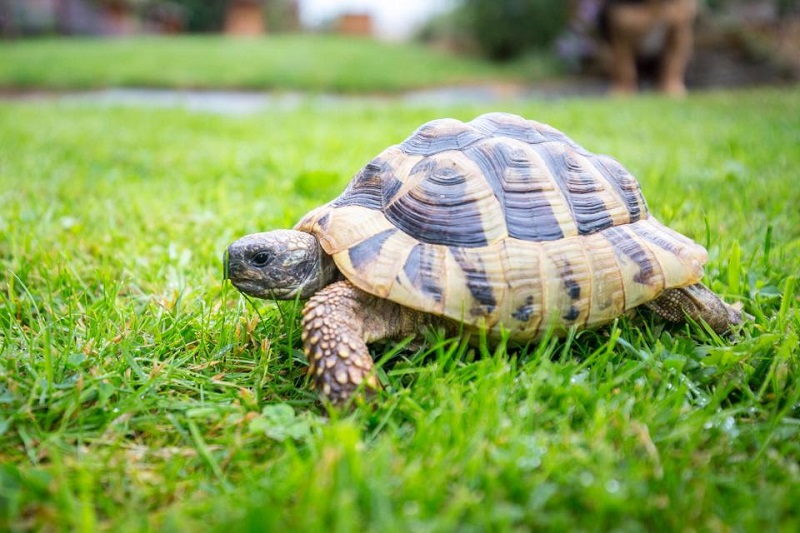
648, 36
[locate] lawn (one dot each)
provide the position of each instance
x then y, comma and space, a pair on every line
291, 62
137, 391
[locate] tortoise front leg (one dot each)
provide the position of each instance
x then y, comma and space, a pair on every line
338, 322
699, 303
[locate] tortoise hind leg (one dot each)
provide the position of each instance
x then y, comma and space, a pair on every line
338, 322
699, 303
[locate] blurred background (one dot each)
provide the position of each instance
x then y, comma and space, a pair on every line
735, 42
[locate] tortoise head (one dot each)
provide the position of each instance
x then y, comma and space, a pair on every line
278, 265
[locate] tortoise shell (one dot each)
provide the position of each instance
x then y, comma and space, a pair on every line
502, 222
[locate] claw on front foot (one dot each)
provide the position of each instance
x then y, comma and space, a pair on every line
338, 322
339, 362
341, 378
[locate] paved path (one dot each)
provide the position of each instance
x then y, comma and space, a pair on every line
242, 103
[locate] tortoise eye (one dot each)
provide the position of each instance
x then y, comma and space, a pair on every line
261, 259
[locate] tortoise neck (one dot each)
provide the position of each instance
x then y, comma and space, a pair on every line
329, 272
322, 274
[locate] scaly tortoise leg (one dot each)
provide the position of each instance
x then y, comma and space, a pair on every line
699, 303
338, 322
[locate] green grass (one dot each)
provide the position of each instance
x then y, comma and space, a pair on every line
138, 392
292, 62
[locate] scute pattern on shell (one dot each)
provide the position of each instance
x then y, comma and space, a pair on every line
502, 221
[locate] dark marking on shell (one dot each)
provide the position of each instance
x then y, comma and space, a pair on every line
625, 245
440, 135
572, 314
588, 207
478, 283
567, 274
419, 268
579, 187
364, 253
516, 127
504, 125
573, 288
390, 187
365, 189
323, 221
624, 183
523, 313
658, 239
509, 172
438, 210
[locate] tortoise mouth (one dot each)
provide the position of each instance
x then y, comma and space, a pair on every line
258, 289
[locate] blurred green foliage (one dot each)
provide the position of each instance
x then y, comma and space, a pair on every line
505, 29
201, 15
783, 7
282, 15
209, 15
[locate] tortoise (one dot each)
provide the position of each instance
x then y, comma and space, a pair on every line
497, 224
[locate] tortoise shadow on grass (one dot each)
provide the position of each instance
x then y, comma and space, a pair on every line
409, 368
642, 339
